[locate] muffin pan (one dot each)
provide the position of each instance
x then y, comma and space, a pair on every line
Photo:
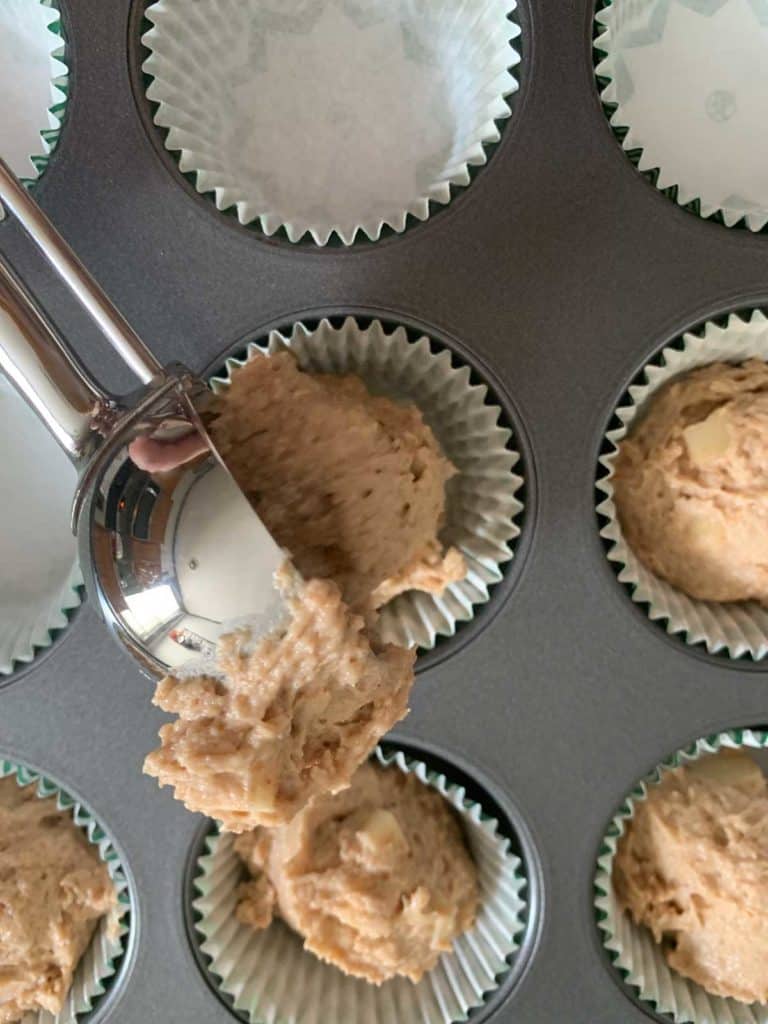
558, 274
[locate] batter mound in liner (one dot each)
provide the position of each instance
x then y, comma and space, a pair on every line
351, 484
692, 867
691, 483
54, 890
377, 879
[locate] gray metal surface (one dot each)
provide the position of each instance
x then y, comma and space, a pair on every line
562, 270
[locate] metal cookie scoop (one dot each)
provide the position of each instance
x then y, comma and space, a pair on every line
170, 547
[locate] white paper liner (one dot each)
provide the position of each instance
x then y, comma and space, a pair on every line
737, 628
482, 508
272, 978
40, 579
33, 84
335, 116
633, 951
688, 83
101, 960
37, 540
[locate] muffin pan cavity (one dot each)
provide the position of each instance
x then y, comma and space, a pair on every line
635, 957
734, 629
103, 967
484, 506
330, 119
268, 975
40, 579
685, 85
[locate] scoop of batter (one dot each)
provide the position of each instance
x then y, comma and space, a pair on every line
693, 868
377, 879
352, 485
691, 483
53, 891
283, 717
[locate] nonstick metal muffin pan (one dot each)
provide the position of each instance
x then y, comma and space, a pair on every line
556, 275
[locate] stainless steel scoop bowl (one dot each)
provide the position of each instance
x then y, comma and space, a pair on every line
172, 551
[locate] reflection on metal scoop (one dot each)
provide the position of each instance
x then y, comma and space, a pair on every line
176, 554
172, 551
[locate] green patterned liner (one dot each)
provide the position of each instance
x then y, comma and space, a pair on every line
737, 629
482, 504
688, 118
49, 135
100, 962
633, 952
272, 979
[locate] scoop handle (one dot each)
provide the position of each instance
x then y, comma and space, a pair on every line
46, 373
88, 293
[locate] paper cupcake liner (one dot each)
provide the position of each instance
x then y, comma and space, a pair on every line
482, 507
102, 958
21, 641
684, 85
735, 628
634, 953
36, 542
33, 83
270, 977
336, 117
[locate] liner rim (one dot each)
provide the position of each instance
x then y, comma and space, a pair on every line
626, 411
518, 473
387, 755
466, 169
601, 37
753, 738
99, 837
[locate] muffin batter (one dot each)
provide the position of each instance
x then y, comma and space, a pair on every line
431, 571
53, 891
352, 485
283, 718
377, 879
693, 868
691, 483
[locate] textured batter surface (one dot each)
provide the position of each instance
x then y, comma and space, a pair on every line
352, 485
281, 718
691, 483
53, 891
693, 868
377, 879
